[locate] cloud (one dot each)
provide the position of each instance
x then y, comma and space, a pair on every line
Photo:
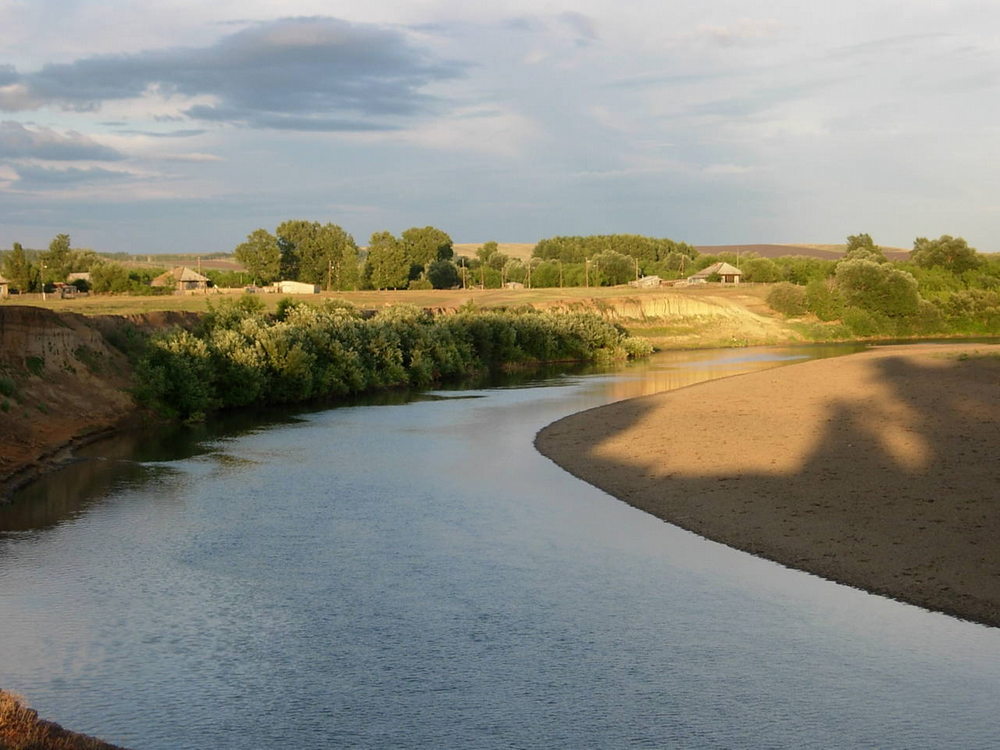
169, 134
584, 27
33, 177
312, 73
741, 32
19, 142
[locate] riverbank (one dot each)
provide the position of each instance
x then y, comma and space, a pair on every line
20, 727
875, 470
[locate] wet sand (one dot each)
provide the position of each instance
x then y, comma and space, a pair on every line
877, 470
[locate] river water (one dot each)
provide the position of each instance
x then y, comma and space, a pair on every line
414, 574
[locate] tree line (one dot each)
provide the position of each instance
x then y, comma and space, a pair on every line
945, 286
240, 355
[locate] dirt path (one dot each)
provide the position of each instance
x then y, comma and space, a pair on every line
878, 470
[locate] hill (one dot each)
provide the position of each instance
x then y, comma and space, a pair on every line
825, 252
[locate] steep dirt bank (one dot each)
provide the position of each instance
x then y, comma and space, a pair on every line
61, 382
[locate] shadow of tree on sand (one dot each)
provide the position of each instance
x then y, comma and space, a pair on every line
878, 471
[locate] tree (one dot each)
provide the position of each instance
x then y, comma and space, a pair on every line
877, 287
487, 251
109, 277
57, 259
424, 246
443, 274
388, 266
862, 247
292, 235
260, 255
17, 269
948, 252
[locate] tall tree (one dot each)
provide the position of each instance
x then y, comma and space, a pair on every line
948, 252
260, 255
388, 263
57, 259
424, 246
293, 237
17, 269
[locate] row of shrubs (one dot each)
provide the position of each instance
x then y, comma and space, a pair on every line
240, 355
867, 300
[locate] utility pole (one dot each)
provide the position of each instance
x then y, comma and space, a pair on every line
586, 272
43, 281
560, 273
636, 269
329, 273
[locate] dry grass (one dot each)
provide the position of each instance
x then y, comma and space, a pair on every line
21, 729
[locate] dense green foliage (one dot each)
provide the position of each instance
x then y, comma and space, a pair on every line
578, 249
946, 287
241, 356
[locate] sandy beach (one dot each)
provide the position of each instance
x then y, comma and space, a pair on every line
877, 470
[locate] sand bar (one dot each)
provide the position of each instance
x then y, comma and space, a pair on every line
878, 470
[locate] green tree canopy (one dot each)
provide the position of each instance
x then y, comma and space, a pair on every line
948, 252
877, 287
260, 256
17, 269
862, 247
443, 274
424, 246
388, 266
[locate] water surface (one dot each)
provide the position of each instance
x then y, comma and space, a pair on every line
414, 574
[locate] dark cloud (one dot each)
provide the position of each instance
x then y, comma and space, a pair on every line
292, 68
32, 177
19, 142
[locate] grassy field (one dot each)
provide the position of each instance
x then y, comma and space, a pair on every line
704, 316
444, 299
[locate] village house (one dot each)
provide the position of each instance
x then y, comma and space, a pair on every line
647, 282
183, 279
728, 274
295, 287
4, 287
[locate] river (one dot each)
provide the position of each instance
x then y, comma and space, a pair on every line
409, 572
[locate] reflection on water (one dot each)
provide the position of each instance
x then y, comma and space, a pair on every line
416, 575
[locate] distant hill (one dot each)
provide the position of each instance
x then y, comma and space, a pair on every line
519, 250
826, 252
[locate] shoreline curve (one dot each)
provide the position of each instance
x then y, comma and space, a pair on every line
874, 470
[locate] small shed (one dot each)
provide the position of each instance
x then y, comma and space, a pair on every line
4, 287
513, 285
646, 282
729, 274
296, 287
183, 279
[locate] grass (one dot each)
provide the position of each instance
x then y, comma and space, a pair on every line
433, 298
21, 729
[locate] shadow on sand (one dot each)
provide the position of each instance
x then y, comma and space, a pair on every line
877, 470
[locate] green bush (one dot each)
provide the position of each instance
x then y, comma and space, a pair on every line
6, 386
787, 299
240, 356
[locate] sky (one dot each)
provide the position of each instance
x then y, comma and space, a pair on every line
182, 126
